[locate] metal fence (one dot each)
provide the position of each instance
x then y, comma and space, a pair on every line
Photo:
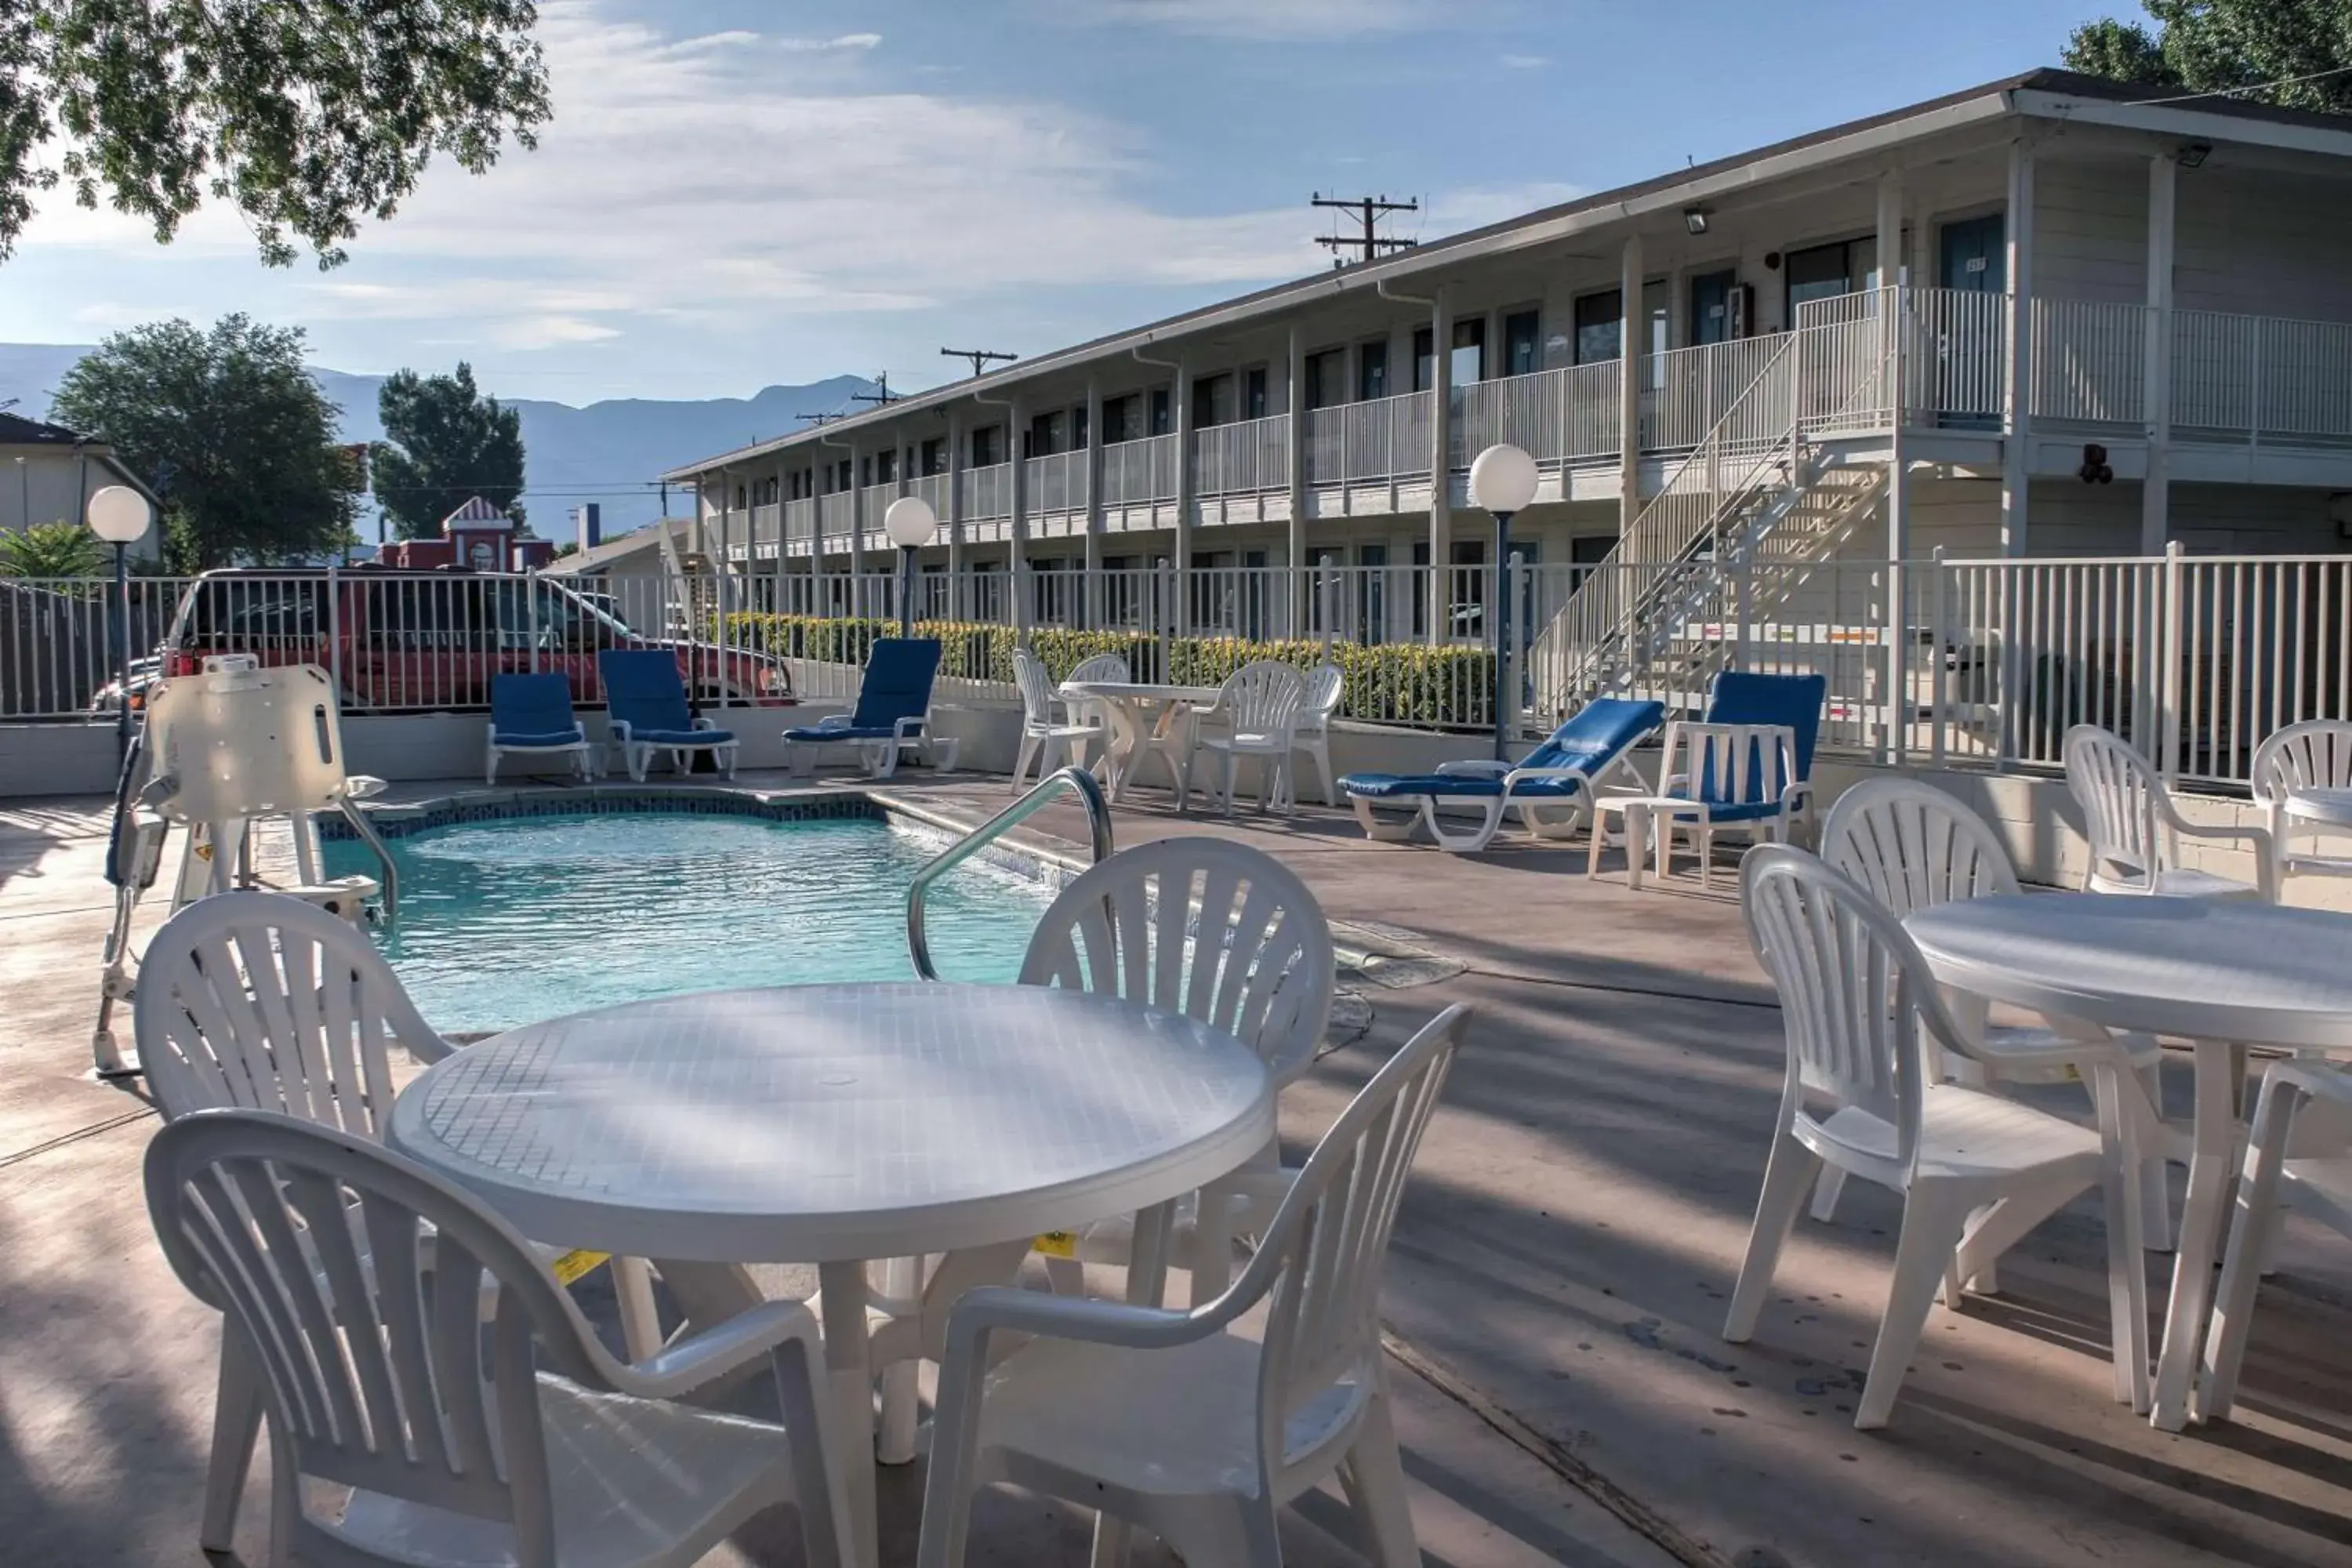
1989, 662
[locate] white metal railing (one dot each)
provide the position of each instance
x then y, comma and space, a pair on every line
1241, 458
932, 490
1057, 483
800, 517
2090, 361
1136, 473
1955, 356
1843, 359
834, 514
988, 492
765, 519
1692, 389
1382, 439
1558, 417
2255, 379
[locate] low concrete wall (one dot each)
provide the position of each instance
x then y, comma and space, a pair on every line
56, 759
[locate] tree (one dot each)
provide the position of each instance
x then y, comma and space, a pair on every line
2209, 46
229, 428
447, 443
52, 550
308, 115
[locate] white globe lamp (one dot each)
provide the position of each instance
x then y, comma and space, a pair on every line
911, 523
1502, 481
121, 516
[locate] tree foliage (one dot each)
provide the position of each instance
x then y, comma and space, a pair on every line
2211, 46
52, 550
229, 428
446, 442
307, 115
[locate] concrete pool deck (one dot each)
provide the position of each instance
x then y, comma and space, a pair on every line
1555, 1293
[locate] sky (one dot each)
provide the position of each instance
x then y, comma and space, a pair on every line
736, 194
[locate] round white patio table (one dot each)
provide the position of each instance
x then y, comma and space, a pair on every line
2328, 806
834, 1125
2218, 975
1145, 717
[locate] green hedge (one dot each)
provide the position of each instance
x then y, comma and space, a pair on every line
1387, 683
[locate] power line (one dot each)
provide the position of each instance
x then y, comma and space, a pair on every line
820, 418
1368, 210
980, 357
883, 395
2239, 91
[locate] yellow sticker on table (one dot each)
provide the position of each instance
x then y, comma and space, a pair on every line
573, 1267
1057, 1244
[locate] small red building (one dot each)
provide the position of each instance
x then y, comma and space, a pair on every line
476, 536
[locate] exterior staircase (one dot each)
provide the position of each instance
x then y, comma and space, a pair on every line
1726, 540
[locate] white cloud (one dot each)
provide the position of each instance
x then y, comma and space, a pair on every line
1525, 62
751, 187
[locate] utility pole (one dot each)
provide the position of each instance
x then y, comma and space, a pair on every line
980, 357
1368, 210
820, 418
883, 395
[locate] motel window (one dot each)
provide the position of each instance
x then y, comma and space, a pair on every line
886, 466
1159, 412
1372, 370
1424, 359
1522, 342
1469, 361
1600, 326
932, 456
988, 447
1254, 393
1213, 401
1825, 271
1049, 434
1327, 378
1078, 427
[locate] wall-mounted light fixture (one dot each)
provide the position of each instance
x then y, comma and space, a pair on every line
1694, 219
2192, 155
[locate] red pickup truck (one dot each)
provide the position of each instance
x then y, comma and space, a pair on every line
422, 640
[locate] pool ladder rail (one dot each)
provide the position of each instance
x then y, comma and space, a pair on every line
1065, 781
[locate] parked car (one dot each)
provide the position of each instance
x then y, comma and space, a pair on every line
432, 639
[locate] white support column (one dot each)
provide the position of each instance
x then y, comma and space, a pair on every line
1631, 330
1016, 555
1890, 260
1441, 461
1294, 460
1180, 420
2017, 393
784, 546
856, 530
2155, 489
958, 607
1094, 589
1678, 306
1890, 227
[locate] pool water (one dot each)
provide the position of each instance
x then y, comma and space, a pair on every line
503, 922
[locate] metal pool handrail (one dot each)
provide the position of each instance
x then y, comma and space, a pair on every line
389, 882
1075, 781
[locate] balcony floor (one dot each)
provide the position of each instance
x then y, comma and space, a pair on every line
1559, 1274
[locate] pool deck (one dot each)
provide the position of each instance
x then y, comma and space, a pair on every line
1555, 1294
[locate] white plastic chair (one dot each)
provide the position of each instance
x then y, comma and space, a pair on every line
1181, 1422
1723, 775
1254, 716
347, 1277
1859, 1010
2299, 1158
1220, 933
262, 1002
2134, 830
1326, 685
1045, 728
1911, 846
2315, 754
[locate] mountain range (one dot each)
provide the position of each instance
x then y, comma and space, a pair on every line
606, 452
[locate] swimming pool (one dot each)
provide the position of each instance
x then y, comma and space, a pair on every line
506, 921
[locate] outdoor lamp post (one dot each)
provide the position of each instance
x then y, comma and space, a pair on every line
910, 524
1502, 481
119, 515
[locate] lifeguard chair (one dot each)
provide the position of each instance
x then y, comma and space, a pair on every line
222, 750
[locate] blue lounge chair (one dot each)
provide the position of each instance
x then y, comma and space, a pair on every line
530, 715
893, 713
645, 698
1749, 764
1558, 775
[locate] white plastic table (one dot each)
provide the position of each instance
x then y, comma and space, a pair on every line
1145, 717
2329, 808
2218, 974
834, 1124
